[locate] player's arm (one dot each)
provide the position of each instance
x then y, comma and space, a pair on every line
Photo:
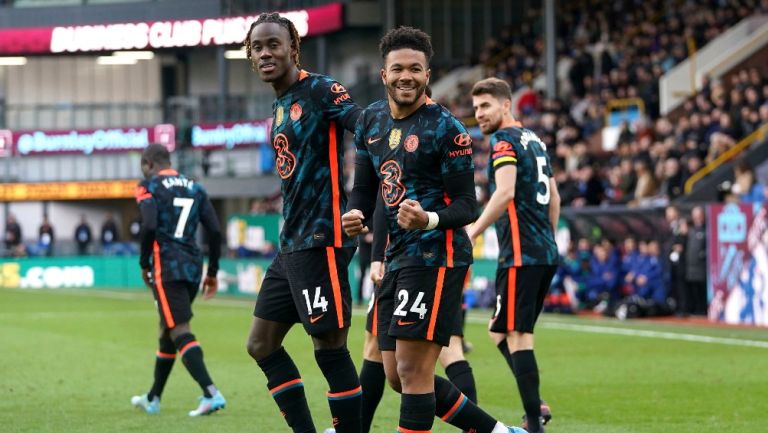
212, 227
505, 176
379, 245
148, 209
362, 200
554, 204
337, 104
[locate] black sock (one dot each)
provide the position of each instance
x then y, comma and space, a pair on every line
287, 388
457, 410
192, 357
345, 393
166, 355
504, 349
417, 412
460, 374
527, 375
373, 380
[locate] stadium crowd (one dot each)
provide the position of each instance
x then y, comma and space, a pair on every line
624, 56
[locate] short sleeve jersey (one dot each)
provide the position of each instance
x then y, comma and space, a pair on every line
412, 157
307, 136
524, 230
179, 203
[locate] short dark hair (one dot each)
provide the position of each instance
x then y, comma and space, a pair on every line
276, 18
406, 37
493, 86
158, 154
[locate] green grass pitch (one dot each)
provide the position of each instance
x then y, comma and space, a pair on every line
70, 361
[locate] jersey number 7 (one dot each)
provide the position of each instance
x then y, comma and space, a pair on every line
186, 206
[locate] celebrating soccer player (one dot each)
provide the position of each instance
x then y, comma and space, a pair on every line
307, 282
171, 207
422, 157
525, 205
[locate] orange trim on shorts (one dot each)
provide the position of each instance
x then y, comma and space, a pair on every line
188, 346
166, 309
511, 288
334, 273
336, 195
514, 228
436, 303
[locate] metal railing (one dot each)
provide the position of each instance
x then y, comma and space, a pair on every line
726, 156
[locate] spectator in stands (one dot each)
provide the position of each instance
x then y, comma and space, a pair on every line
696, 263
633, 265
109, 233
83, 236
12, 235
672, 180
646, 187
134, 229
46, 237
745, 187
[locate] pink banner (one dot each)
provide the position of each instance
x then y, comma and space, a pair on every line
158, 34
85, 141
738, 264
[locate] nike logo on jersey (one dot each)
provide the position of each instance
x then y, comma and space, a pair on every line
401, 323
372, 140
314, 320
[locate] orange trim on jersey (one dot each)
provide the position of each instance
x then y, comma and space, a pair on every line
142, 197
162, 355
514, 229
303, 74
161, 290
334, 273
168, 172
430, 101
516, 124
448, 238
407, 430
188, 346
436, 303
336, 202
511, 289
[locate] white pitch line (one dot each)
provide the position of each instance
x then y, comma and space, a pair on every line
655, 334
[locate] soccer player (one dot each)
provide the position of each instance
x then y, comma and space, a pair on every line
307, 282
525, 205
422, 157
171, 207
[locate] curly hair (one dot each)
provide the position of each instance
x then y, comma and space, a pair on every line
274, 17
406, 37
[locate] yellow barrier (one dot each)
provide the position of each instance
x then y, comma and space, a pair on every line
725, 157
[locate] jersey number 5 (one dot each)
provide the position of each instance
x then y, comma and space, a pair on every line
541, 162
186, 206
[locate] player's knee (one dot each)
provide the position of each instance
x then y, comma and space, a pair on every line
330, 340
413, 371
259, 349
394, 383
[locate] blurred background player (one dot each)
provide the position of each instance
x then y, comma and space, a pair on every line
307, 282
525, 206
424, 206
171, 207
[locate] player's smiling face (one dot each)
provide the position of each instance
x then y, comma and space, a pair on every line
489, 112
405, 75
272, 53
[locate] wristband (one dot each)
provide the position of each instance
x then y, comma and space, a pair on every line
433, 221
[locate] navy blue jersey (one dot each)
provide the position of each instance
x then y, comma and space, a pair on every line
413, 158
524, 230
308, 137
172, 206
